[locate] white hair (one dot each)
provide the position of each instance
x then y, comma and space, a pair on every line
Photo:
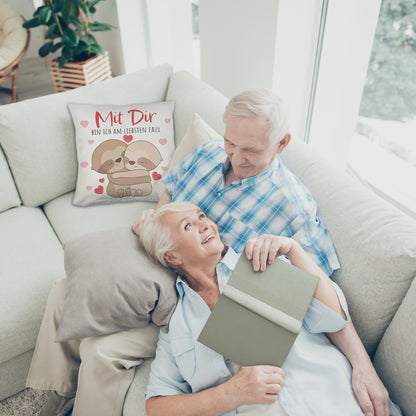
156, 235
261, 103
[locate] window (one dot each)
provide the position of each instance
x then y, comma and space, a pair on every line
383, 147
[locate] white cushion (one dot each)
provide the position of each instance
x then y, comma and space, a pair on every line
9, 196
31, 261
43, 127
123, 151
375, 242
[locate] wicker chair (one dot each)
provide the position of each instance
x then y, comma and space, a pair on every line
14, 42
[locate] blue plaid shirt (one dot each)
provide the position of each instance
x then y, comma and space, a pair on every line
273, 202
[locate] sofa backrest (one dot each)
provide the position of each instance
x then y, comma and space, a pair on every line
43, 127
9, 195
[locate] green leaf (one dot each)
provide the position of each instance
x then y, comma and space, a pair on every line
44, 15
96, 48
34, 22
57, 46
100, 27
58, 5
62, 61
77, 23
45, 49
70, 37
52, 32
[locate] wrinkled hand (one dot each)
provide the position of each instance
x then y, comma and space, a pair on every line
256, 385
371, 394
264, 249
141, 219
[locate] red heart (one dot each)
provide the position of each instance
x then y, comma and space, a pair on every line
84, 164
163, 141
156, 176
127, 138
99, 190
101, 180
167, 120
88, 188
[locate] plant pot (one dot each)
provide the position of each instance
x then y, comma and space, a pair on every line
78, 74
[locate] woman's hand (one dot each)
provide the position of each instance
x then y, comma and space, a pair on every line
255, 385
141, 219
264, 249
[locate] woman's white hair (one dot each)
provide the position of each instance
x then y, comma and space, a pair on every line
155, 234
261, 103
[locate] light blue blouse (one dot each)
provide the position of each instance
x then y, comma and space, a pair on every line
317, 375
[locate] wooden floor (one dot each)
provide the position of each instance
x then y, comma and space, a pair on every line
33, 80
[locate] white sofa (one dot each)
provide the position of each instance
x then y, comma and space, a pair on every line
376, 244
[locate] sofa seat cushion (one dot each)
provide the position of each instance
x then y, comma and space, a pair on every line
9, 196
375, 242
31, 261
70, 221
48, 131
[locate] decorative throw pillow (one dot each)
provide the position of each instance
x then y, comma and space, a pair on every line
198, 133
123, 150
113, 285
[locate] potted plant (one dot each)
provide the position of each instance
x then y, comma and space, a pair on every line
68, 32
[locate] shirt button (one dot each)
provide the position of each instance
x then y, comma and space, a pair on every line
219, 194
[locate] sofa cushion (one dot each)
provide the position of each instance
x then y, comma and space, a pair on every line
113, 286
31, 261
394, 359
374, 241
43, 127
122, 150
192, 95
70, 221
9, 196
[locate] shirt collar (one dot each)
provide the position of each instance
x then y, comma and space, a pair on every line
252, 180
224, 269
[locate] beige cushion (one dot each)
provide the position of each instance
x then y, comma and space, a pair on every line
13, 36
375, 242
48, 132
113, 286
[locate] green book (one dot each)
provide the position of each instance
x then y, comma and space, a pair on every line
259, 314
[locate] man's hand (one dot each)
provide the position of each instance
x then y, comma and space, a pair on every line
255, 385
370, 392
264, 249
141, 219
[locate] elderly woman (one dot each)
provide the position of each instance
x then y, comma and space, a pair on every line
187, 378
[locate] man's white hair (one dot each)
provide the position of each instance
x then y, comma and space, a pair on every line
156, 235
261, 103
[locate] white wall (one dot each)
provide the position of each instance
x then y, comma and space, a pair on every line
238, 42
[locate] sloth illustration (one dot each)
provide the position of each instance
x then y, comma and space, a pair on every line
140, 157
108, 158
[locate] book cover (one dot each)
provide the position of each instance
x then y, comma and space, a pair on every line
259, 314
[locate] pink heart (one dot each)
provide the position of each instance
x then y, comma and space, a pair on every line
167, 120
84, 164
163, 141
156, 176
99, 190
91, 141
127, 138
164, 168
84, 123
88, 188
